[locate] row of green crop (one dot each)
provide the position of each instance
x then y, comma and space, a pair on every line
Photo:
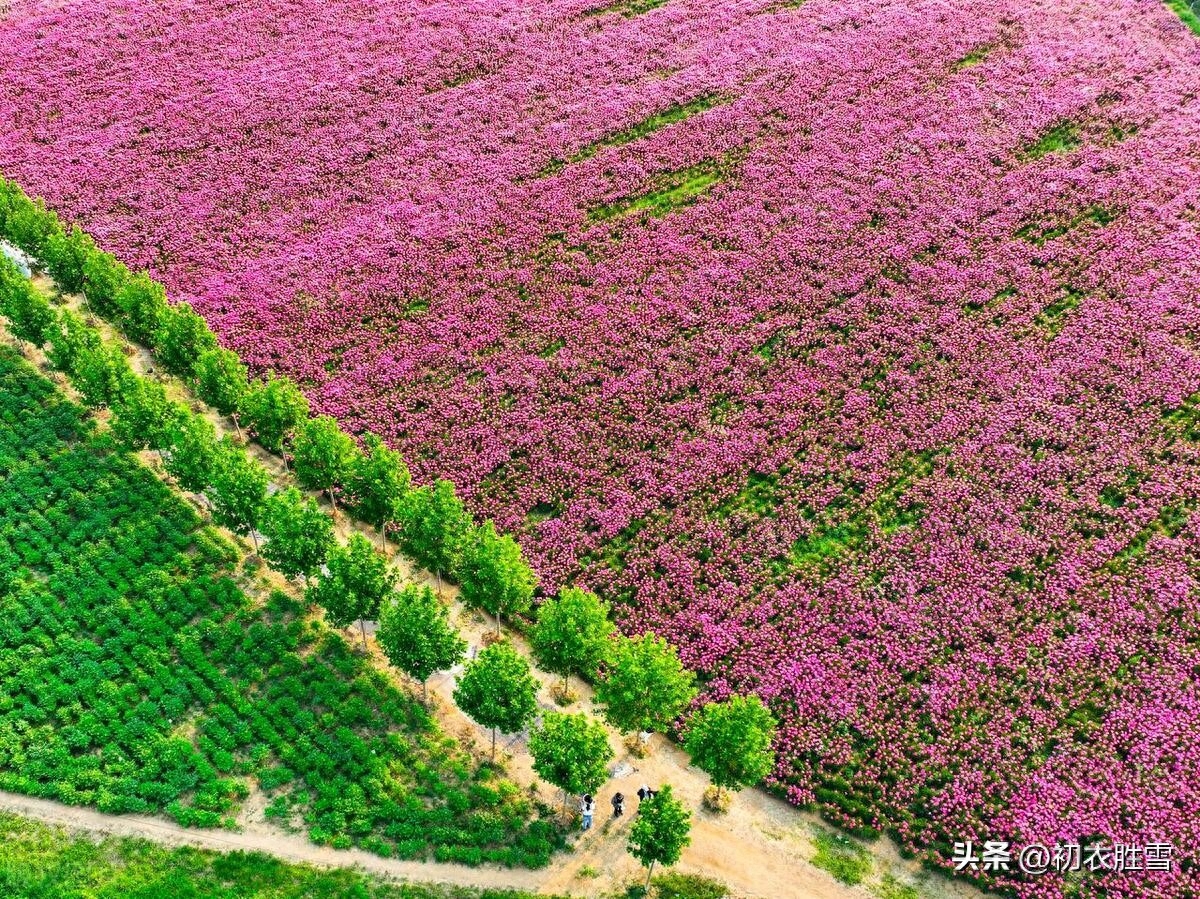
135, 676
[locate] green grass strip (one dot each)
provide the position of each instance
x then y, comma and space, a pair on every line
1061, 138
674, 191
627, 8
672, 115
1189, 13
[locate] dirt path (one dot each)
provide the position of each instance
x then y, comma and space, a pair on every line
761, 848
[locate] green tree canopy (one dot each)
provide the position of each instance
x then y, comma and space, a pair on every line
572, 633
324, 456
143, 415
29, 314
731, 742
274, 408
380, 483
493, 574
356, 580
416, 635
65, 254
142, 303
181, 338
660, 832
571, 752
68, 338
103, 276
238, 489
434, 526
101, 374
192, 452
646, 687
222, 382
299, 535
498, 690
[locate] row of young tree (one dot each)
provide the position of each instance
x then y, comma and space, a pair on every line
641, 685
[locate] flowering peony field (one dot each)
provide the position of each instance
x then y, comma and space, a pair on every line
851, 345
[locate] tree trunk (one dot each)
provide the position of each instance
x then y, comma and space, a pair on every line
425, 692
493, 745
649, 874
254, 537
362, 626
332, 501
237, 426
497, 624
383, 547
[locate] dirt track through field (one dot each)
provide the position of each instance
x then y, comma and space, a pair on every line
761, 848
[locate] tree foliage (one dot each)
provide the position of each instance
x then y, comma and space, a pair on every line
646, 687
731, 741
221, 380
660, 832
324, 456
101, 374
380, 482
192, 452
182, 336
434, 526
143, 415
493, 574
142, 304
299, 535
354, 584
571, 752
238, 489
274, 408
572, 633
416, 635
498, 690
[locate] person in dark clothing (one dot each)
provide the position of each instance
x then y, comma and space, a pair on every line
618, 804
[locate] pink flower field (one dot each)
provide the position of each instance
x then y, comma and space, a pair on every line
854, 346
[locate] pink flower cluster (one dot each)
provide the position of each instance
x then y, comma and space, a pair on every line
886, 418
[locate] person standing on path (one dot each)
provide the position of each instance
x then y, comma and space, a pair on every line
618, 804
588, 809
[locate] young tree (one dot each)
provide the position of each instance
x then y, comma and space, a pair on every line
498, 691
222, 382
380, 483
572, 633
238, 490
434, 526
101, 373
299, 535
103, 276
660, 832
69, 338
181, 338
324, 456
416, 635
571, 752
143, 416
143, 303
494, 575
192, 452
646, 687
731, 742
356, 581
28, 319
65, 254
29, 314
274, 408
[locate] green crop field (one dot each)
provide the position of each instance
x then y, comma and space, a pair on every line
137, 676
